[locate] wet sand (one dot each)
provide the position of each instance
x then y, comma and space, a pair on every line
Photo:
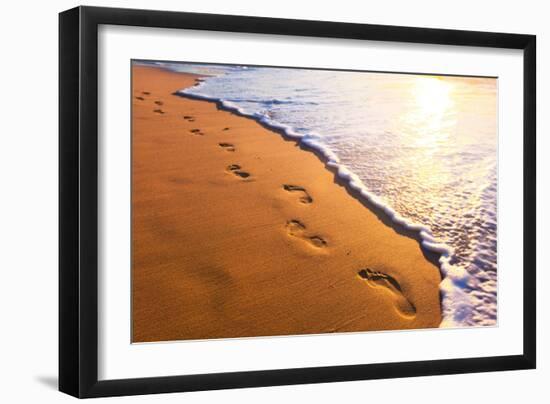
238, 232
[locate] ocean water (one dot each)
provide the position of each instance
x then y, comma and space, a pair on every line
423, 148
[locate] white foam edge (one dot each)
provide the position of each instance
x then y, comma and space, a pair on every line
452, 275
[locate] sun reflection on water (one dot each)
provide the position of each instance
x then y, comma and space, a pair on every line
430, 117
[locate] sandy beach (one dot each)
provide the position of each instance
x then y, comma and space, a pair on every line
239, 232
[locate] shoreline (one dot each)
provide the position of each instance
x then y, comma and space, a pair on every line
433, 255
316, 260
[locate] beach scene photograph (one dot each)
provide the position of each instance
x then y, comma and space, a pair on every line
282, 201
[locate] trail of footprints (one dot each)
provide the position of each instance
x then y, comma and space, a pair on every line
297, 229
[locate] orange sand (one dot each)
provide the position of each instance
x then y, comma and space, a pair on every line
219, 254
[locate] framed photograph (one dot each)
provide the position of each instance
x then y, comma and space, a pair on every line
252, 202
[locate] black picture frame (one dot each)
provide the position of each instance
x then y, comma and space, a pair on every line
78, 201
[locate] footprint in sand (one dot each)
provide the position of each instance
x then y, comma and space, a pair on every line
196, 132
225, 129
295, 228
159, 111
159, 102
381, 280
305, 197
140, 98
145, 93
230, 147
236, 169
189, 118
